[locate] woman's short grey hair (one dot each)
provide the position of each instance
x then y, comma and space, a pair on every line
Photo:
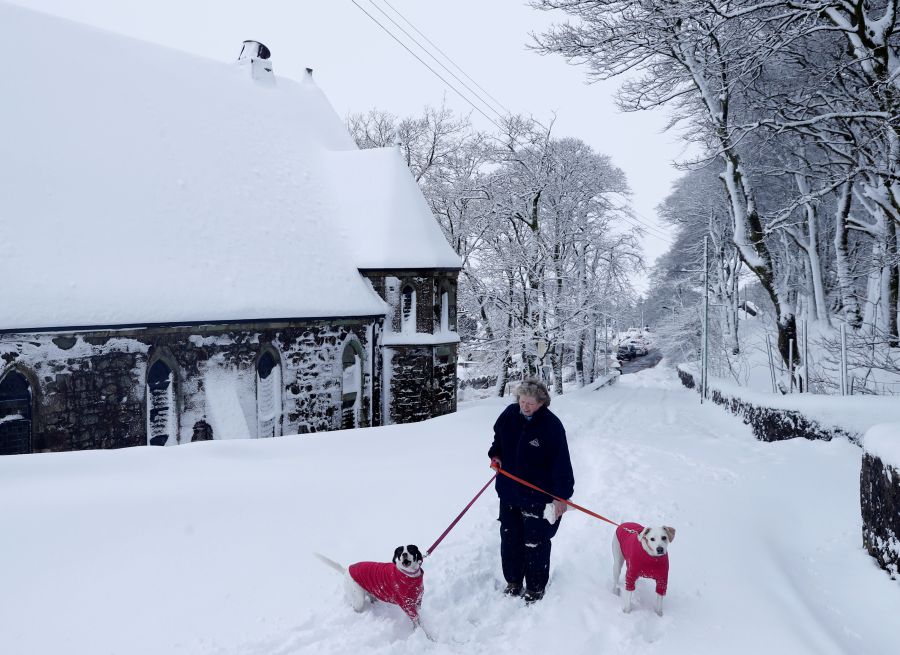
536, 389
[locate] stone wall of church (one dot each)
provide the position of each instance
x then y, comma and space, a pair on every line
422, 382
89, 389
421, 369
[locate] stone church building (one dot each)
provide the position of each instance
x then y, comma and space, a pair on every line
194, 250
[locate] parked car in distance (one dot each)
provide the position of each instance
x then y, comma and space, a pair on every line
626, 351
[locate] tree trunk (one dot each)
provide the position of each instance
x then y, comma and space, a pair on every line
502, 376
750, 242
892, 282
735, 305
579, 360
558, 368
812, 253
846, 286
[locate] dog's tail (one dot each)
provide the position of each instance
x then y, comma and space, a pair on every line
330, 562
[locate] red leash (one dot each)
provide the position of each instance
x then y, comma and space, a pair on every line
500, 471
563, 500
456, 520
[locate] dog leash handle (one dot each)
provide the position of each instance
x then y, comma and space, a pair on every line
456, 520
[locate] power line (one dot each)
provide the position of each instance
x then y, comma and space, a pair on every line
656, 231
447, 57
652, 230
436, 60
630, 219
457, 66
425, 64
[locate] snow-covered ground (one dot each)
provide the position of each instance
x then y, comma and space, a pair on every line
207, 548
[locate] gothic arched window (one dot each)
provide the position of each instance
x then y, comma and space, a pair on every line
162, 416
445, 307
408, 309
268, 395
351, 385
15, 414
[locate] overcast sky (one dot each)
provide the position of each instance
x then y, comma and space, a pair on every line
360, 67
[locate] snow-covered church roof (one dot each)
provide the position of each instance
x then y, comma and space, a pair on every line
386, 194
143, 185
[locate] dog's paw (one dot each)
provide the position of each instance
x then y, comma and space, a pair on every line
627, 609
617, 591
659, 612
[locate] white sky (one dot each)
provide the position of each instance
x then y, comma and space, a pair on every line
360, 67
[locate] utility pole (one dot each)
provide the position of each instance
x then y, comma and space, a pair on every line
705, 353
605, 344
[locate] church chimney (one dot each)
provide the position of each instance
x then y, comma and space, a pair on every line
256, 55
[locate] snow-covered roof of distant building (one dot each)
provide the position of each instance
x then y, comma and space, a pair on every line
145, 185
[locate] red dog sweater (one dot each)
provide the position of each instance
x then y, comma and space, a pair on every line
639, 563
389, 584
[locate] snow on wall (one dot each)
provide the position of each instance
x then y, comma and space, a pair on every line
883, 441
386, 377
220, 403
880, 495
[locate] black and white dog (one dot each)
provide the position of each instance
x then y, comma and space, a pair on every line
399, 582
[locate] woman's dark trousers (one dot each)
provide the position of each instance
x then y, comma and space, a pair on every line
525, 545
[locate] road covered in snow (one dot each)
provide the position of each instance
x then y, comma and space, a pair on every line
207, 548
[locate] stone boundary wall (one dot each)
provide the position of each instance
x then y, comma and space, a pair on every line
879, 495
771, 423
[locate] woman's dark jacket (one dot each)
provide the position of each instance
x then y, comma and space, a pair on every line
534, 450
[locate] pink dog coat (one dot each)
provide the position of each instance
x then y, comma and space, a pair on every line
639, 563
389, 584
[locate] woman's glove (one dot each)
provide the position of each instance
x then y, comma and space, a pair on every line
552, 511
495, 463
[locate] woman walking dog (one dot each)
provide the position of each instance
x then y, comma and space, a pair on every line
530, 442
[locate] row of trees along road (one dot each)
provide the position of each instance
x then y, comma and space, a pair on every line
792, 105
536, 222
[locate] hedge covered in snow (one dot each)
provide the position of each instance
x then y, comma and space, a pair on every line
771, 423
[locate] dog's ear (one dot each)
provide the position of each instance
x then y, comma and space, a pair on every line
397, 552
643, 534
670, 533
415, 552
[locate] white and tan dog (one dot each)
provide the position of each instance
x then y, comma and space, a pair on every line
645, 552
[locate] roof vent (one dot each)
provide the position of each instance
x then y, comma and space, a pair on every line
256, 55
